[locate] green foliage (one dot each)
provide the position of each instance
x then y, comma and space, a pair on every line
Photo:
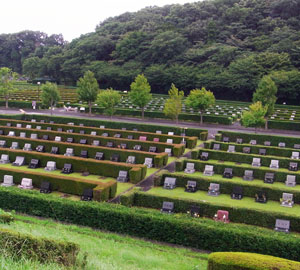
255, 116
266, 94
31, 67
6, 217
7, 78
109, 99
88, 88
200, 100
140, 92
50, 95
248, 261
174, 103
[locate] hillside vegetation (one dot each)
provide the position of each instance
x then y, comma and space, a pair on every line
224, 45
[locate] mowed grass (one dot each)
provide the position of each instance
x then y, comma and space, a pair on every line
105, 251
225, 200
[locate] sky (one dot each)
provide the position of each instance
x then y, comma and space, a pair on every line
68, 17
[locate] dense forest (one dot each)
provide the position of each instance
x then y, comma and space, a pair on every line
224, 45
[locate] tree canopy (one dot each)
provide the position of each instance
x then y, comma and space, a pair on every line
50, 95
109, 99
255, 116
7, 77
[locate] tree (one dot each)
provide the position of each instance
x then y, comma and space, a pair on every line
7, 78
88, 88
140, 92
32, 67
200, 100
174, 103
50, 95
255, 116
266, 94
108, 99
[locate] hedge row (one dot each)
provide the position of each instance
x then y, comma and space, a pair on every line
18, 104
20, 245
190, 141
248, 261
285, 125
197, 233
159, 159
200, 133
237, 214
67, 184
261, 138
226, 185
247, 158
254, 149
177, 149
137, 172
238, 170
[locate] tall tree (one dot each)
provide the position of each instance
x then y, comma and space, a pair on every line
108, 99
7, 78
50, 95
140, 92
255, 117
173, 104
266, 94
200, 100
88, 88
31, 67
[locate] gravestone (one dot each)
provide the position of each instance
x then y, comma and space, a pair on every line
191, 186
216, 146
69, 152
8, 181
237, 193
170, 183
34, 136
295, 155
231, 149
99, 156
22, 134
293, 166
214, 189
274, 164
2, 143
4, 159
34, 163
267, 143
45, 137
169, 141
26, 183
54, 150
167, 207
148, 162
281, 144
115, 158
168, 151
67, 169
14, 145
83, 141
261, 197
190, 167
269, 178
137, 147
287, 200
282, 225
208, 170
130, 160
50, 166
84, 154
228, 173
110, 144
27, 147
256, 162
204, 156
87, 195
11, 133
290, 180
96, 143
40, 148
253, 142
94, 133
46, 187
57, 139
70, 140
123, 176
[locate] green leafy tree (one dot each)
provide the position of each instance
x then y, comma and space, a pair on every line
7, 79
173, 104
88, 88
108, 99
266, 94
50, 95
31, 67
200, 100
140, 92
255, 117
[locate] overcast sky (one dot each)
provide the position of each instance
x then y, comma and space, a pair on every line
67, 17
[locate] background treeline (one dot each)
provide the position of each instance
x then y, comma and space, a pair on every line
223, 45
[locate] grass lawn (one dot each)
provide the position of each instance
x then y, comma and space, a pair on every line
225, 200
106, 251
100, 179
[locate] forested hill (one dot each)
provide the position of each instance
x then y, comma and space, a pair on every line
224, 45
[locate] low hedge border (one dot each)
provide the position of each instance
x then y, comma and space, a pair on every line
190, 141
260, 138
238, 170
286, 125
241, 214
271, 150
66, 184
178, 229
248, 261
159, 159
226, 185
97, 167
20, 245
177, 149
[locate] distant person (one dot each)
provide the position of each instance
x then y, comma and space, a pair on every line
34, 104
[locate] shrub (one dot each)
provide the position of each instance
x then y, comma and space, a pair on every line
6, 217
248, 261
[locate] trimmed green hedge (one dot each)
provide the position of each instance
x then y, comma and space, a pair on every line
180, 229
286, 125
260, 138
159, 159
238, 170
248, 261
97, 167
177, 149
45, 250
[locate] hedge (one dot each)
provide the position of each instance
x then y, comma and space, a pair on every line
190, 141
177, 149
248, 261
45, 250
238, 170
19, 104
285, 125
261, 138
97, 167
114, 125
248, 158
67, 184
201, 233
254, 149
159, 159
245, 215
226, 185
